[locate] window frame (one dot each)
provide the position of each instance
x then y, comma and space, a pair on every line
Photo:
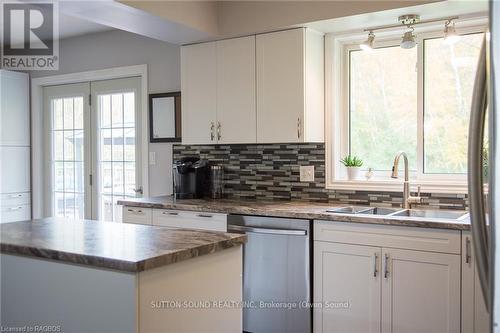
337, 51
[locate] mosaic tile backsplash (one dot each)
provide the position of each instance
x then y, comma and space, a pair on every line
271, 171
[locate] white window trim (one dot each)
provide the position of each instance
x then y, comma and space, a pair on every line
336, 113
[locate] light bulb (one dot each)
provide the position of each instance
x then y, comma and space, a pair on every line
450, 34
408, 41
367, 45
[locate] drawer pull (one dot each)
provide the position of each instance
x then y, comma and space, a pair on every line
15, 208
205, 215
134, 211
170, 213
15, 196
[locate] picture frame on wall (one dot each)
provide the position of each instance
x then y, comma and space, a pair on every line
165, 117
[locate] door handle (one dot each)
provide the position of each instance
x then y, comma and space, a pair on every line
295, 232
298, 128
475, 175
219, 135
467, 250
375, 271
386, 266
212, 134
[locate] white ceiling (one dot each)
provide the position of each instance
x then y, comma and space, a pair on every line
70, 26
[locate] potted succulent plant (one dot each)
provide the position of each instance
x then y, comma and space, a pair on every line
353, 165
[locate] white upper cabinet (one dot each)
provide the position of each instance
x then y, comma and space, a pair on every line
14, 116
267, 88
236, 111
199, 91
290, 86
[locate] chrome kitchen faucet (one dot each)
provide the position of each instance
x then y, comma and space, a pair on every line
408, 199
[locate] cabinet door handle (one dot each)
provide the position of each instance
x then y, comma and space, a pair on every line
15, 195
386, 264
467, 250
204, 215
212, 133
375, 271
298, 128
16, 208
219, 130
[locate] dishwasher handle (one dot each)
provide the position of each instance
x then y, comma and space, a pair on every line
239, 228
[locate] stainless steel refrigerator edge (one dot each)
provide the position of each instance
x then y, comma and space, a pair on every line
494, 181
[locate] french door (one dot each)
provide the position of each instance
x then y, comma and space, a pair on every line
93, 144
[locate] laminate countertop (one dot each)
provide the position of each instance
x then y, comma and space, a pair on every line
293, 209
119, 246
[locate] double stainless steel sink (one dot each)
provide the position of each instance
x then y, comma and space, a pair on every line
457, 215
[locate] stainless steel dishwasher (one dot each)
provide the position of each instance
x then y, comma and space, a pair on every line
276, 273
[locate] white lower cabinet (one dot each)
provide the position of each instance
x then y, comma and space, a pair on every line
15, 213
190, 220
175, 218
420, 291
137, 215
347, 283
369, 286
475, 317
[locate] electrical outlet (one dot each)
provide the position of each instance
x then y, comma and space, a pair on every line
307, 173
152, 158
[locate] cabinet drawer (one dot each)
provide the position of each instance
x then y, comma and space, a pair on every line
15, 199
15, 213
136, 215
190, 220
15, 169
411, 238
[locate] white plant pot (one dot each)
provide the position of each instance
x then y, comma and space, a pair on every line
353, 173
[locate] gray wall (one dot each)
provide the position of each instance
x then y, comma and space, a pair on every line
118, 48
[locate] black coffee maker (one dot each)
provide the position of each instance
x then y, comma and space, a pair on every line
190, 177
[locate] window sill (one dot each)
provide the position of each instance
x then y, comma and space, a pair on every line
451, 187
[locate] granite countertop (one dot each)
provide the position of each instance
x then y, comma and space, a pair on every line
118, 246
291, 209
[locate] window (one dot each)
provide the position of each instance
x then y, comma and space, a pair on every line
117, 151
415, 100
383, 105
449, 73
67, 157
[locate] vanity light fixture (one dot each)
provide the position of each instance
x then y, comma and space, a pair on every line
367, 45
450, 34
409, 39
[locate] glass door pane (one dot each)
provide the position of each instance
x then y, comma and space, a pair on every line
67, 162
117, 152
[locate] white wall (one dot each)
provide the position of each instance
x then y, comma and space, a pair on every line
118, 48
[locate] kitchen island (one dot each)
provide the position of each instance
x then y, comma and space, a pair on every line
91, 276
